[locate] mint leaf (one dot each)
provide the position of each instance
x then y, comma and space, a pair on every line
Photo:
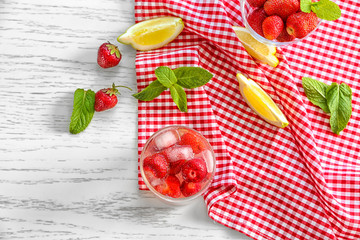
150, 92
316, 92
305, 5
165, 76
179, 96
339, 101
192, 77
326, 9
83, 110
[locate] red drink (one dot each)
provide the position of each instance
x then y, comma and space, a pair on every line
177, 164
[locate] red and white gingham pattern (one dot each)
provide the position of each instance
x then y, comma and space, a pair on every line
301, 182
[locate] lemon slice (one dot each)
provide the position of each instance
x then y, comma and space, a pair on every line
263, 52
153, 33
261, 102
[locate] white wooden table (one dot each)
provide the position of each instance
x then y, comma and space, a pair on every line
54, 185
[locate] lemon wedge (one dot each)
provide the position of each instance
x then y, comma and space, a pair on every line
153, 33
263, 52
261, 102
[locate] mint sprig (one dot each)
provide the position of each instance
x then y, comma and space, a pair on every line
83, 110
334, 99
175, 80
324, 9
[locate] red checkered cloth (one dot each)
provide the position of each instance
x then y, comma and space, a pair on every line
301, 182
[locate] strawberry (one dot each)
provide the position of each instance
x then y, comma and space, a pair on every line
255, 20
156, 165
301, 24
281, 8
150, 174
175, 167
108, 55
190, 188
284, 36
106, 98
193, 140
272, 27
194, 170
169, 187
256, 3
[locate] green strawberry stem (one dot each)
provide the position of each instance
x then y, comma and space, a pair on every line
122, 86
114, 91
113, 49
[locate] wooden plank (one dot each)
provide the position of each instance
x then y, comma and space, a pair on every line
54, 185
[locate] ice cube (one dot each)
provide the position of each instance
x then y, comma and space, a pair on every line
156, 181
177, 153
166, 139
208, 158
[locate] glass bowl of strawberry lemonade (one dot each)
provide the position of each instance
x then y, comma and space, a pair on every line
177, 164
283, 40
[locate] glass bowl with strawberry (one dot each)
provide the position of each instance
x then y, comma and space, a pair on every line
177, 164
283, 22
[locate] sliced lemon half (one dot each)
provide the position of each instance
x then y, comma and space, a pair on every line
153, 33
263, 52
261, 102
